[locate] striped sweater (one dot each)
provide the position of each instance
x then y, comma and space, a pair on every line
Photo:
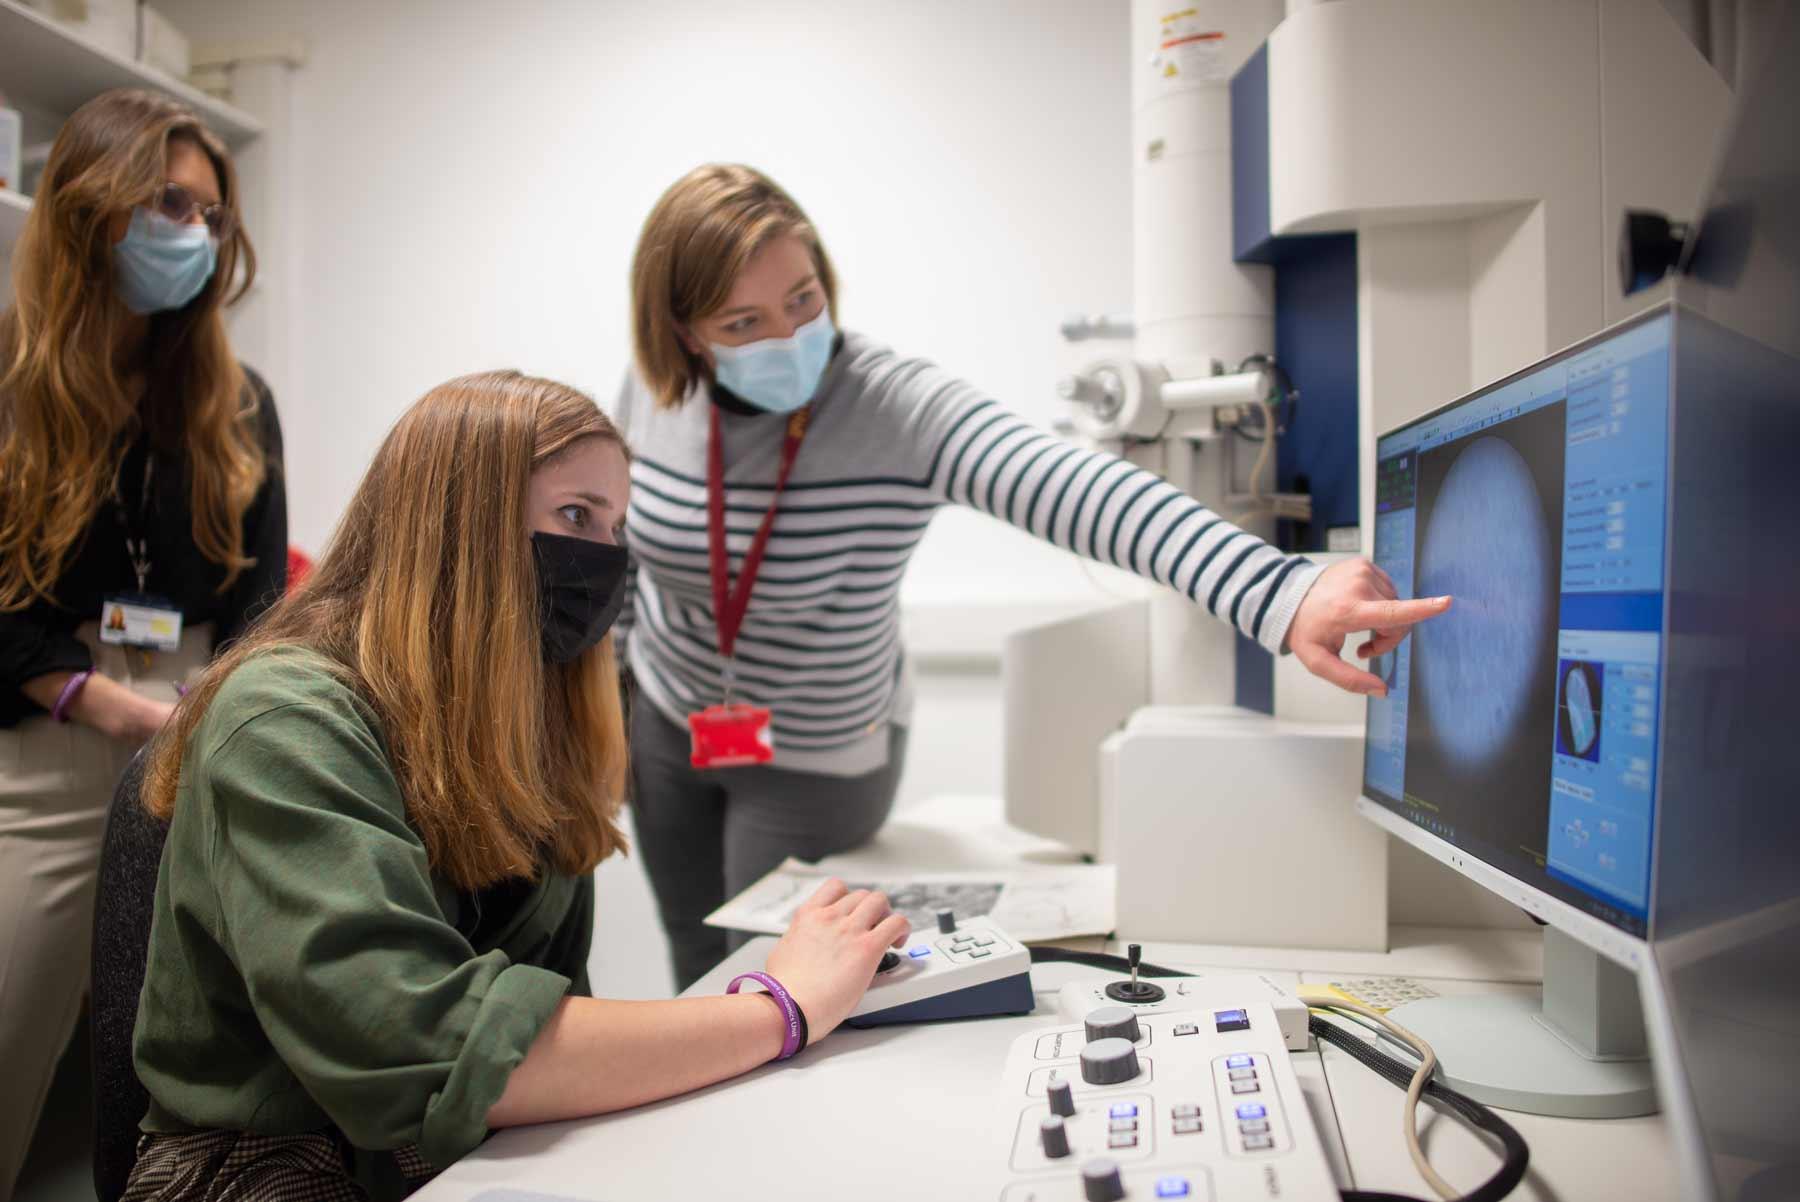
891, 440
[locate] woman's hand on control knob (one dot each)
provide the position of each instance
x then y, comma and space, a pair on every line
832, 946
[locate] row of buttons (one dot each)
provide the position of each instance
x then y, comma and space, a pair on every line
1187, 1119
1253, 1125
1121, 1123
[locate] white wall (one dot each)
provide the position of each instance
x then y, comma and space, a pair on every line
473, 176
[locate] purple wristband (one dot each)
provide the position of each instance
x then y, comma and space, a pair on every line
794, 1037
70, 691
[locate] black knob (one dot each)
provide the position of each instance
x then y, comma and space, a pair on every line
1140, 994
1112, 1022
946, 921
1649, 248
1054, 1135
1062, 1098
1108, 1062
889, 960
1100, 1180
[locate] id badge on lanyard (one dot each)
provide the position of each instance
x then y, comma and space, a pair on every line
731, 734
139, 619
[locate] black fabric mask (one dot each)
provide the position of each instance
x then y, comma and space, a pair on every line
581, 589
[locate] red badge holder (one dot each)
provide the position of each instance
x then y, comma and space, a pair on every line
731, 736
734, 735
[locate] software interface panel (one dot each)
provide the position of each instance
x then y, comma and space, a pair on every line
1521, 726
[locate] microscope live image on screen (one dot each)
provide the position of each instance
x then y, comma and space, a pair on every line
1488, 531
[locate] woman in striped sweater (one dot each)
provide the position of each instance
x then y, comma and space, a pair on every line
796, 530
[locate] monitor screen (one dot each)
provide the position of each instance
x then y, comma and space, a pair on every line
1521, 727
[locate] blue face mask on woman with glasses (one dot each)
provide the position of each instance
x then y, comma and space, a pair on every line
166, 258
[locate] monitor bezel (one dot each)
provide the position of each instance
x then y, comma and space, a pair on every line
1618, 945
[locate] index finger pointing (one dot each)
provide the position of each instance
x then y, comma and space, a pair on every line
1389, 615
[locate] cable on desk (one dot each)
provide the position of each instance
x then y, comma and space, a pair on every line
1058, 955
1517, 1154
1328, 999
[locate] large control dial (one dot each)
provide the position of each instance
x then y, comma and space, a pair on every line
1108, 1062
1112, 1022
1100, 1180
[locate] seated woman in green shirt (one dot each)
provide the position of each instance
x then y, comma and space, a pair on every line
386, 802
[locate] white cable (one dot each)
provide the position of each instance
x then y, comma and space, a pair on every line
1320, 998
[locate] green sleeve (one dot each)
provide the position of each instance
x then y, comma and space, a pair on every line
375, 1002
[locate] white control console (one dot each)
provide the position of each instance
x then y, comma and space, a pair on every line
1196, 1104
1077, 998
961, 970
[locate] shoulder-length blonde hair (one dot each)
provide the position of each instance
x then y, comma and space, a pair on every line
426, 602
64, 412
693, 245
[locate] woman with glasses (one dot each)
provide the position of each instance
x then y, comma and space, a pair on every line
142, 522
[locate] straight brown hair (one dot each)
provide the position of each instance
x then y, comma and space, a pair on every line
426, 604
65, 419
698, 237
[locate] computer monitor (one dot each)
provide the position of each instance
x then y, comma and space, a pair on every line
1520, 737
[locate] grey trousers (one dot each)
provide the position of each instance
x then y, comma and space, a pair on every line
56, 782
705, 836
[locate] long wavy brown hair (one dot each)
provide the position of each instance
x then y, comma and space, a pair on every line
426, 603
66, 418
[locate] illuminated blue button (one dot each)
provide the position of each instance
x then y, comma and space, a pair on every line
916, 952
1240, 1060
1230, 1020
1252, 1110
1171, 1187
1122, 1110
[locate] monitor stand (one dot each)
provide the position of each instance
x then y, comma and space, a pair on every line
1578, 1052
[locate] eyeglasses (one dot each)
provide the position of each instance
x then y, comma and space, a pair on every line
178, 204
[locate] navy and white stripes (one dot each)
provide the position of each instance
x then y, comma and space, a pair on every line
890, 442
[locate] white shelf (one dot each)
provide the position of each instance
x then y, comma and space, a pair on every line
47, 66
14, 208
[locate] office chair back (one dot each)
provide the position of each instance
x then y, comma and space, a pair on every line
130, 852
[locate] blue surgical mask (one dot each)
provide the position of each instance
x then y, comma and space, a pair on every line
778, 374
162, 264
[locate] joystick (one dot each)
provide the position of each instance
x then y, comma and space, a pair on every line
946, 920
1135, 991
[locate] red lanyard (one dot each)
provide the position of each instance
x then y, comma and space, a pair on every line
730, 604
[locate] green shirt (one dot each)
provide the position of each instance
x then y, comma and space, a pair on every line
306, 969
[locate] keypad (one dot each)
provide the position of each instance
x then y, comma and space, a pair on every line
1383, 993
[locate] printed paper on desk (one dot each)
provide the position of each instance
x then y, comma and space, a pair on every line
1030, 902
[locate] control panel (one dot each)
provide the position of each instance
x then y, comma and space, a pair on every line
963, 969
1077, 998
1197, 1104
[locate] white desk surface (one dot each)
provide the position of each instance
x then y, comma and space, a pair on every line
903, 1112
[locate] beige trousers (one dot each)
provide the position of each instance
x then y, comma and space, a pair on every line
55, 783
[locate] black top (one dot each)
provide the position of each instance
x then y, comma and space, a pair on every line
41, 638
